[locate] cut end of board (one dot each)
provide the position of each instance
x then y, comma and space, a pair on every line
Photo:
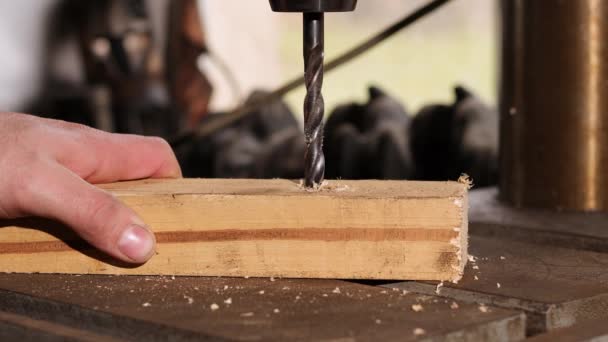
389, 230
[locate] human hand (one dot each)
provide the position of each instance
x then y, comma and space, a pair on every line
47, 168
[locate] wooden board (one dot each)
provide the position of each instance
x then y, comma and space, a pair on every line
491, 218
348, 230
586, 331
556, 287
181, 309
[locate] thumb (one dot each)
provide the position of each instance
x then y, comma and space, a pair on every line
95, 215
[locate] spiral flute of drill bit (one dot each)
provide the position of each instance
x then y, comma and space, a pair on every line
314, 106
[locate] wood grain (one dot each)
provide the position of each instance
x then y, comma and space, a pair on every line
349, 229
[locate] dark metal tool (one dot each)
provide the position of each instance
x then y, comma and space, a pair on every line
314, 106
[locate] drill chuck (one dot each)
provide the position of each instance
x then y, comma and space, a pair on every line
313, 6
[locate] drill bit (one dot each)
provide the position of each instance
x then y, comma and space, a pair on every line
314, 105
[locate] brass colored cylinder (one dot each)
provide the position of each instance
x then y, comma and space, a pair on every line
554, 104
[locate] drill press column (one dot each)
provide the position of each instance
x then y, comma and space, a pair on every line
314, 106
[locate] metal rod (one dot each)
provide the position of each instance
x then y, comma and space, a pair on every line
554, 122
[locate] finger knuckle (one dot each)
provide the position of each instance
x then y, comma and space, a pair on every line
25, 178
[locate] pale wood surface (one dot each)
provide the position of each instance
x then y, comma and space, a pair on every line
349, 229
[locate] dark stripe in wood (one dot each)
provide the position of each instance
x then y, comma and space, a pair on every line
304, 234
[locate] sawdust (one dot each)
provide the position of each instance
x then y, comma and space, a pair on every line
417, 308
438, 289
454, 306
476, 278
378, 321
146, 305
466, 180
262, 292
315, 188
247, 314
189, 299
498, 285
228, 301
325, 186
276, 311
483, 308
336, 290
419, 332
214, 307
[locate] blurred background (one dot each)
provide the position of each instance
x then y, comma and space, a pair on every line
457, 45
161, 67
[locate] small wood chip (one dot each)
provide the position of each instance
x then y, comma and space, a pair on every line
417, 308
498, 285
272, 279
262, 292
419, 332
189, 299
276, 311
336, 290
483, 308
214, 307
247, 314
378, 321
438, 289
454, 306
475, 267
502, 258
145, 305
228, 301
476, 278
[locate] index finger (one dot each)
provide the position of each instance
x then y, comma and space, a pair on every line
101, 157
